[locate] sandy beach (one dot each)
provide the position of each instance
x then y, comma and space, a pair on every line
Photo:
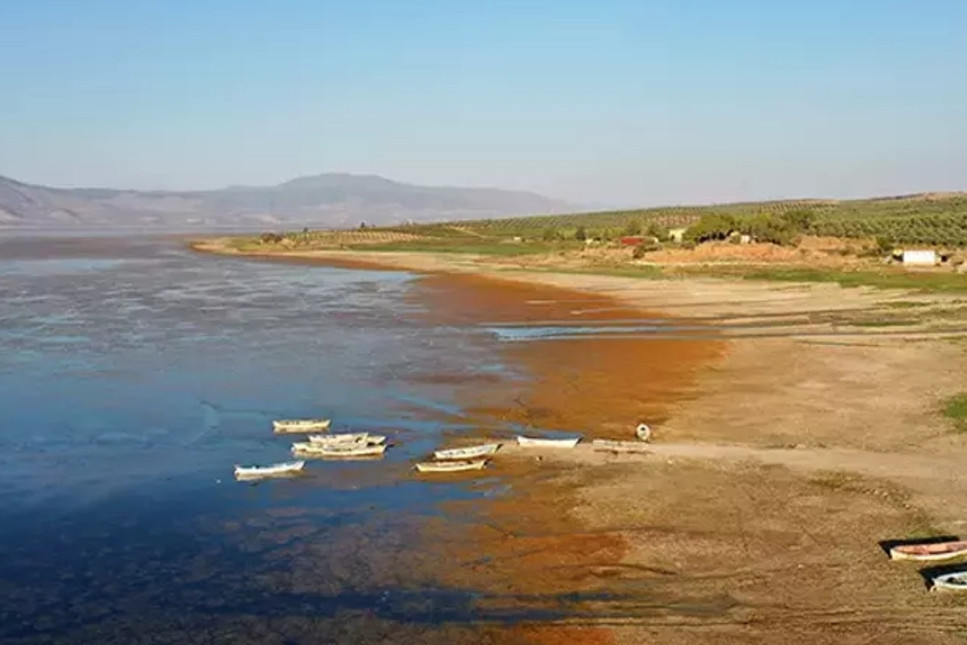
791, 439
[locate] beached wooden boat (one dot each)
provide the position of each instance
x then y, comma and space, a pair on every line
605, 445
467, 453
643, 432
534, 442
928, 552
954, 581
291, 426
347, 451
450, 466
346, 438
286, 469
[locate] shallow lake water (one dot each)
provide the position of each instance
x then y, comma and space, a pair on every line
134, 374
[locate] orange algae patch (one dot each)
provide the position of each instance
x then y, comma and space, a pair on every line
600, 386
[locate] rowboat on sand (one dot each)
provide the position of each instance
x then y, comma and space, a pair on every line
346, 438
605, 445
928, 551
534, 442
955, 581
291, 426
450, 466
467, 453
643, 432
348, 451
287, 469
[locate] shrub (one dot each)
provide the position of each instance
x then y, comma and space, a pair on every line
549, 235
657, 231
581, 234
270, 238
645, 247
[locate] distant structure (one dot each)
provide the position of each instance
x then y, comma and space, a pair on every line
919, 257
676, 234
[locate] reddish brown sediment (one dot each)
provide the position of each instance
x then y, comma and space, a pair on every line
599, 386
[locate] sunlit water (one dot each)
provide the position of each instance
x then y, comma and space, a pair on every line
135, 374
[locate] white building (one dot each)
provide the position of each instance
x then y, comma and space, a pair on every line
919, 257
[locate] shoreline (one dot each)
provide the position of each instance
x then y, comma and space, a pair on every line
786, 442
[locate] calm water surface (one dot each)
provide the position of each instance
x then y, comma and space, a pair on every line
134, 374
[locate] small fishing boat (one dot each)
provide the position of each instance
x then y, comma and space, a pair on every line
928, 551
450, 466
291, 426
345, 438
467, 453
643, 432
955, 581
534, 442
286, 469
605, 445
347, 451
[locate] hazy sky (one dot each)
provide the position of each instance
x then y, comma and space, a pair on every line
597, 101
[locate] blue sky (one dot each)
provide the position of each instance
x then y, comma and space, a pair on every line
606, 102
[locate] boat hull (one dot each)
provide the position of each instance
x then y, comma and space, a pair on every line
450, 466
956, 581
467, 453
250, 473
314, 451
930, 552
533, 442
297, 426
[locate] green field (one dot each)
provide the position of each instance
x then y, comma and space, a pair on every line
920, 219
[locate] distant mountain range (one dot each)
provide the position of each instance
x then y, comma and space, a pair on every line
327, 200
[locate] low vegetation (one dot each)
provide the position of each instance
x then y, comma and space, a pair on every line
781, 241
956, 409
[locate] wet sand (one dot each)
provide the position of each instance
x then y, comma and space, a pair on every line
696, 546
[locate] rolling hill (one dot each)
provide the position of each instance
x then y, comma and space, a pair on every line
326, 200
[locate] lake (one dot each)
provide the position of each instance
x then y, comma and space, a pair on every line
134, 374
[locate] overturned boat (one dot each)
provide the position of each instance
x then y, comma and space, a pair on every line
286, 469
606, 445
293, 426
535, 442
927, 552
469, 452
450, 466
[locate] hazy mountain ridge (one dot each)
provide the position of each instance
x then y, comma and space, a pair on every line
327, 200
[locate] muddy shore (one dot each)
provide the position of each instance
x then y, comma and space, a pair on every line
784, 453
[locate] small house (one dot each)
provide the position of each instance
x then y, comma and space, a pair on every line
676, 235
919, 257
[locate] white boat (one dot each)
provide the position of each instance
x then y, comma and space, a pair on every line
346, 438
643, 432
289, 426
955, 581
286, 469
305, 449
534, 442
605, 445
929, 551
450, 466
467, 453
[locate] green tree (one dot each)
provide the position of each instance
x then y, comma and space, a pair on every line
633, 227
581, 234
714, 226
